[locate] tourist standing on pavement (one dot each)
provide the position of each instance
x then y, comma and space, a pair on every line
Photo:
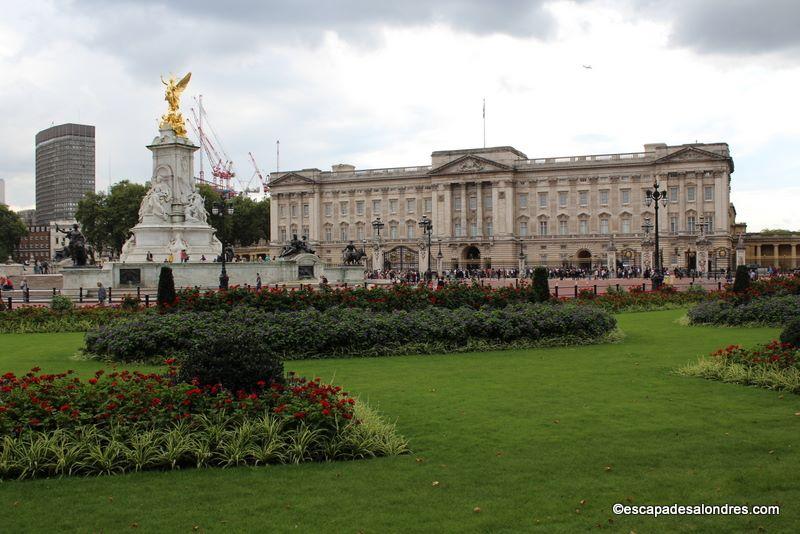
101, 293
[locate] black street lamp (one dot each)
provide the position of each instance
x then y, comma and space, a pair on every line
427, 226
378, 225
654, 197
222, 208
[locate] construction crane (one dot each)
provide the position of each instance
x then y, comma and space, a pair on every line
221, 165
264, 183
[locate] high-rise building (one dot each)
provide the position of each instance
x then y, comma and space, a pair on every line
2, 191
64, 170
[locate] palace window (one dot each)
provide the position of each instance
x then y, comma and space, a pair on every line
487, 202
282, 233
583, 198
709, 222
305, 231
673, 194
294, 210
673, 224
562, 199
282, 210
473, 203
523, 228
604, 226
392, 205
489, 229
542, 227
376, 207
305, 210
583, 226
626, 226
562, 227
410, 204
328, 209
457, 203
473, 229
457, 229
344, 233
359, 207
604, 197
360, 232
708, 193
393, 230
690, 224
690, 193
542, 200
343, 207
428, 205
409, 230
522, 200
625, 196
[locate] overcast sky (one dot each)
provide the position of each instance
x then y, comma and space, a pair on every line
379, 84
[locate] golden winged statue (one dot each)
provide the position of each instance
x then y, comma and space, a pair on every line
173, 118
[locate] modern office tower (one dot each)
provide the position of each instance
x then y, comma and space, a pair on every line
64, 170
2, 191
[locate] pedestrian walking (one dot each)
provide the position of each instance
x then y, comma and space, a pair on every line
101, 293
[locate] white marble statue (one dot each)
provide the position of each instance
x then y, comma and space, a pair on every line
157, 201
178, 244
196, 208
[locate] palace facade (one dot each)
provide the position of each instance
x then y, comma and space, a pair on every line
496, 207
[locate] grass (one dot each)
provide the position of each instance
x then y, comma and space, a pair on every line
524, 435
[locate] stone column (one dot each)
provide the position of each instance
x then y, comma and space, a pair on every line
510, 207
464, 208
479, 211
314, 212
498, 210
447, 215
274, 232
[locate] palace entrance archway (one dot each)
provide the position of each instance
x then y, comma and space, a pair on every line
472, 258
584, 259
401, 259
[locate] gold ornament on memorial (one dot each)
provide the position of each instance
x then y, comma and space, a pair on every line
173, 118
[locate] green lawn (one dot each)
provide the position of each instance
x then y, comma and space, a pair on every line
523, 435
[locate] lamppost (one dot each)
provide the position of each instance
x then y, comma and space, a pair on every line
653, 197
439, 257
222, 208
427, 226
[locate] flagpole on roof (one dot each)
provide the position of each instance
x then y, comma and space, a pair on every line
484, 123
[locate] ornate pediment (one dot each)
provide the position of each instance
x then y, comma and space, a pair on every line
291, 178
692, 154
469, 164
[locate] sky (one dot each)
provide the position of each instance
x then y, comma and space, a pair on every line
382, 84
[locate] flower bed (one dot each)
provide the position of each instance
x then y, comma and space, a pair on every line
341, 332
769, 311
775, 365
31, 319
120, 421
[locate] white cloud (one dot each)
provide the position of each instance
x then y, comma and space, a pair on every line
394, 92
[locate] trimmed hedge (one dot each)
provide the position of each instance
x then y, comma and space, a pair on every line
768, 311
341, 332
791, 333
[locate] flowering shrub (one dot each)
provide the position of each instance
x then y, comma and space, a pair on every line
775, 365
258, 336
770, 310
791, 332
775, 353
46, 402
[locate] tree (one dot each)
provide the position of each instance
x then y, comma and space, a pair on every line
12, 229
742, 281
106, 219
777, 231
248, 224
541, 284
166, 287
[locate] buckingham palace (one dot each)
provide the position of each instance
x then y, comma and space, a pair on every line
496, 207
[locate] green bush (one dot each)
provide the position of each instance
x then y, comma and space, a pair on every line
338, 332
166, 288
791, 332
61, 303
541, 285
237, 361
768, 311
742, 281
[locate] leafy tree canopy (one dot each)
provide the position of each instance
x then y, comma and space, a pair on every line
12, 229
249, 222
106, 219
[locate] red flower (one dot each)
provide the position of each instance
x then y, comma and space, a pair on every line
64, 408
299, 415
93, 381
